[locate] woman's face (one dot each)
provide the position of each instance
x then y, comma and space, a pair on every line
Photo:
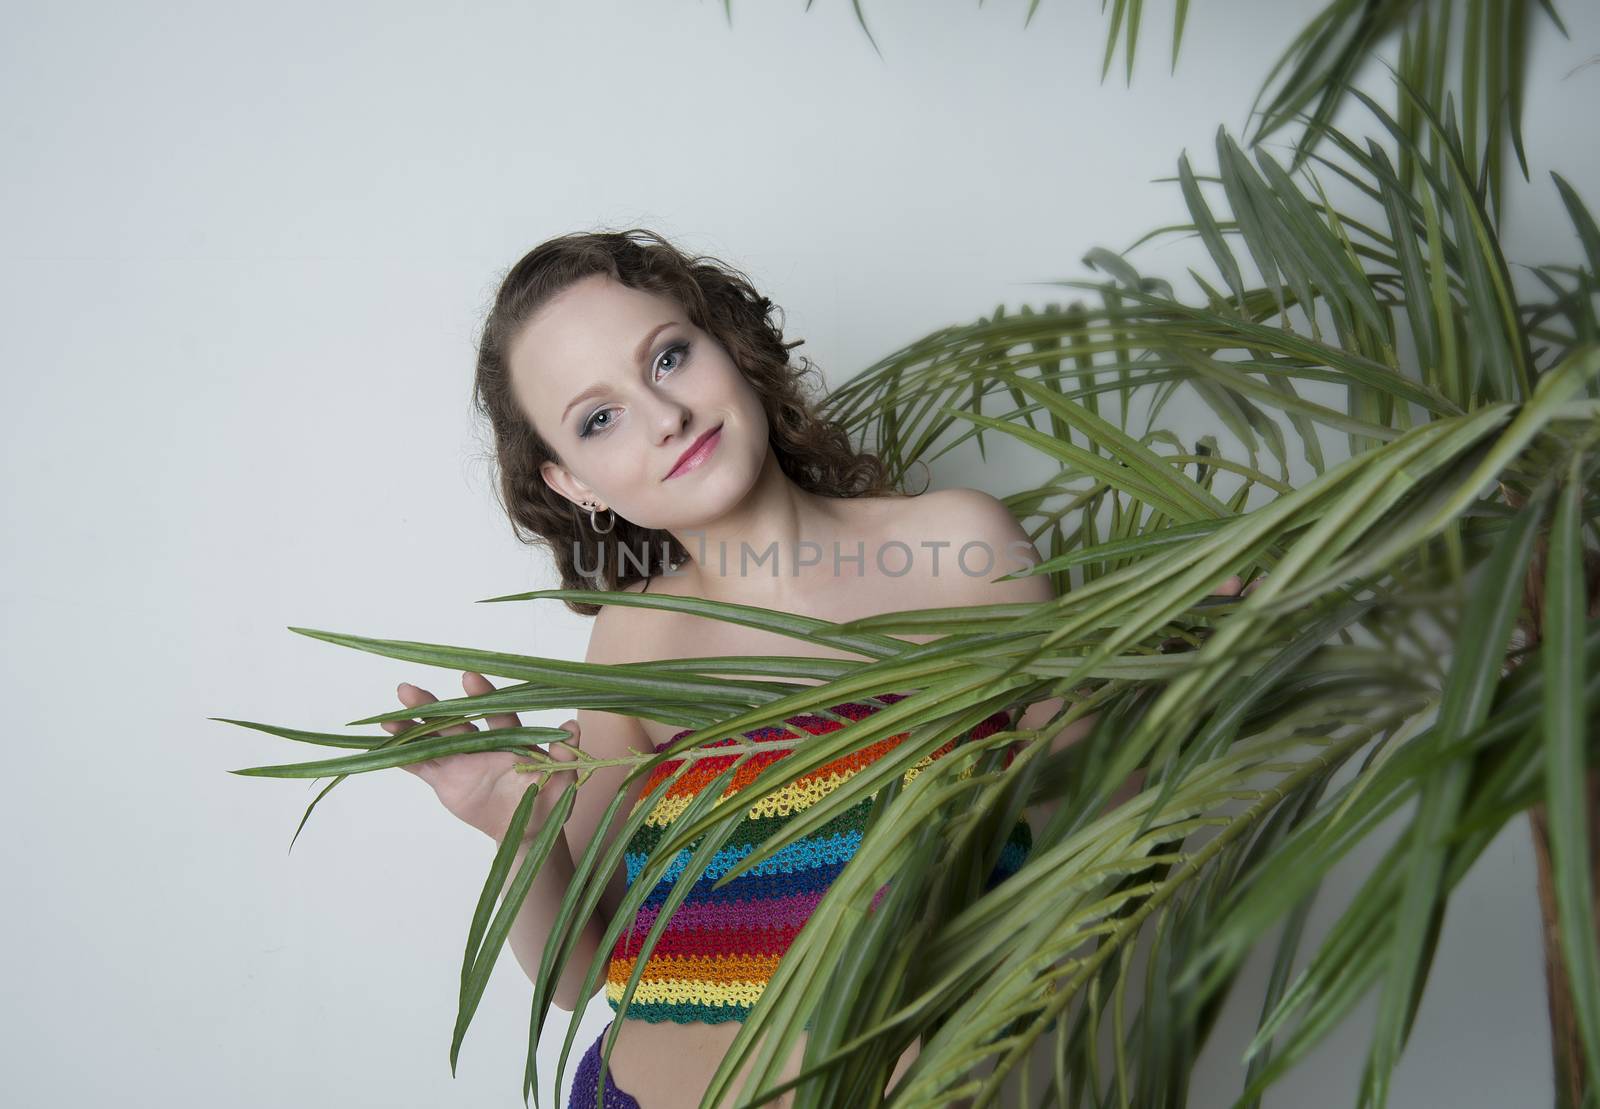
620, 384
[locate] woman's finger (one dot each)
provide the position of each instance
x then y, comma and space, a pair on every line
411, 696
1229, 588
559, 750
395, 727
476, 685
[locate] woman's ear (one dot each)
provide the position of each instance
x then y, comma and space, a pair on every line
557, 478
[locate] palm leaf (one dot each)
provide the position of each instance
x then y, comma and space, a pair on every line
1330, 664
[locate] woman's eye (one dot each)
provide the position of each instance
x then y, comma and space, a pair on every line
589, 427
682, 348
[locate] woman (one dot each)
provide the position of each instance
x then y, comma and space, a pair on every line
652, 432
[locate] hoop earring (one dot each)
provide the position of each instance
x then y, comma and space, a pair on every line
597, 529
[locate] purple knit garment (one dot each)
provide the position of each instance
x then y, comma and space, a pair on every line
587, 1080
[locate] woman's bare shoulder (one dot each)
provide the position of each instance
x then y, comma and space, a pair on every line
956, 515
614, 636
981, 539
956, 501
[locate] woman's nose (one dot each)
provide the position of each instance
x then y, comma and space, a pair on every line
669, 417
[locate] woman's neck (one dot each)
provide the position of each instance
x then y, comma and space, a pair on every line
773, 547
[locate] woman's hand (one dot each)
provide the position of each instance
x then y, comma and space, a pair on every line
1235, 586
481, 787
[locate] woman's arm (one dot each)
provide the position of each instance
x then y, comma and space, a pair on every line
486, 788
602, 735
537, 919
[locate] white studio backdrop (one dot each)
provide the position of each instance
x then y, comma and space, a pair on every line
244, 251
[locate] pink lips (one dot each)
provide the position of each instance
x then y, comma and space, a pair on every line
698, 453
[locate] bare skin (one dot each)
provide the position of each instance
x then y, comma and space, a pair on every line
651, 406
669, 1065
675, 1062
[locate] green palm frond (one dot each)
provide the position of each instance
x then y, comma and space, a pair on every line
1473, 50
1385, 668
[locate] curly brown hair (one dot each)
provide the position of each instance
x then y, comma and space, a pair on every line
815, 453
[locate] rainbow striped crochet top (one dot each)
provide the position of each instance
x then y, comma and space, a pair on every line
720, 947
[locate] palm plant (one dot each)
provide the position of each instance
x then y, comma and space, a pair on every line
1426, 637
1485, 61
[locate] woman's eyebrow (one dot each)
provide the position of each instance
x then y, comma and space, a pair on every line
589, 392
644, 344
638, 356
